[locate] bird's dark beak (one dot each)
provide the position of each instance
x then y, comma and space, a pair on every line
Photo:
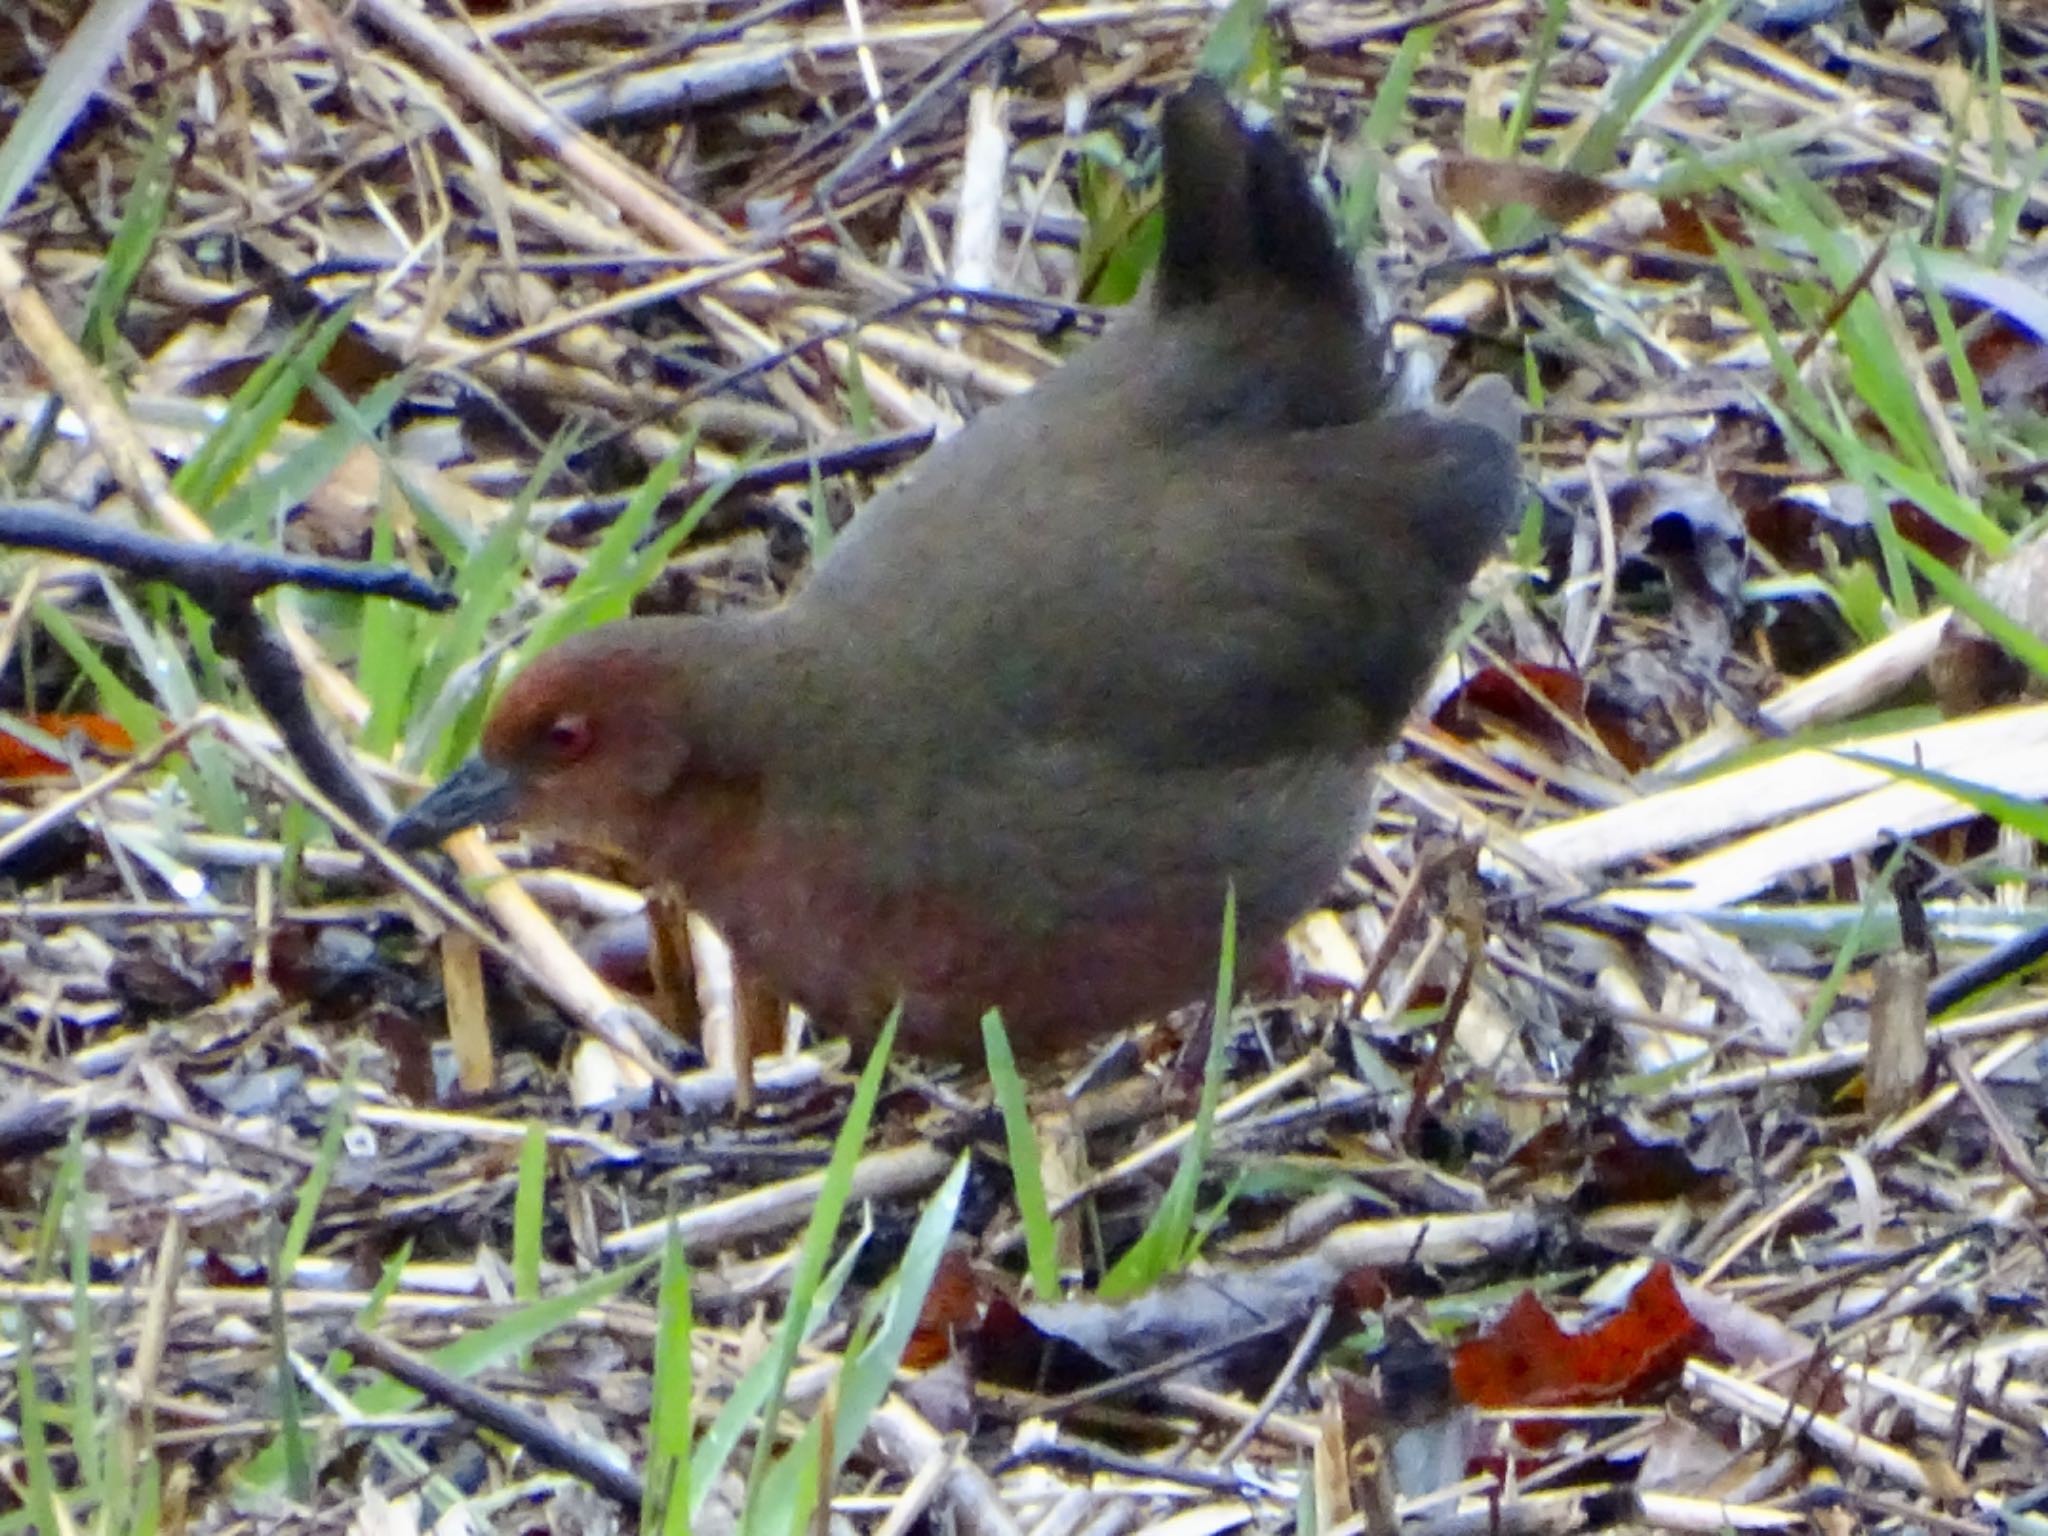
478, 791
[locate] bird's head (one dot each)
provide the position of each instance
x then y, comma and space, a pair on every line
591, 742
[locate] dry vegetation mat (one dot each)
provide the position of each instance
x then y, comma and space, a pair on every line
1656, 1138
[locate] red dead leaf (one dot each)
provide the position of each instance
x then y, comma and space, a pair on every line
952, 1307
1566, 198
1527, 1360
1478, 186
18, 760
1687, 220
1531, 700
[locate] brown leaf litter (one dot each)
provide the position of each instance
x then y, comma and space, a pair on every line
1617, 1033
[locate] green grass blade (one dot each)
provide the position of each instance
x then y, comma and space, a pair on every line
853, 390
671, 1422
258, 504
486, 585
1163, 1246
1358, 207
291, 1424
40, 1496
389, 644
622, 566
1806, 420
1239, 48
812, 1256
501, 1343
1993, 81
86, 1446
68, 85
1878, 376
872, 1371
204, 772
2027, 817
818, 533
1121, 231
256, 411
325, 1158
787, 1503
145, 1512
529, 1212
1850, 951
1600, 147
2009, 207
1041, 1242
1977, 426
123, 705
142, 215
1535, 72
608, 561
2027, 647
746, 1408
210, 778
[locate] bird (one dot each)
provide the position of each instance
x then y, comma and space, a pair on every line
1125, 642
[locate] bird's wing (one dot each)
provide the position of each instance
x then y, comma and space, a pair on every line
1218, 603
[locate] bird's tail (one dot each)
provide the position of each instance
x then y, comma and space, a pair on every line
1240, 214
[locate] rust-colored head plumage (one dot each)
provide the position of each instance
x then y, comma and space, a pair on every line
588, 740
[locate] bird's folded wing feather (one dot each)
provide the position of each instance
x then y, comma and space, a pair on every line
1219, 603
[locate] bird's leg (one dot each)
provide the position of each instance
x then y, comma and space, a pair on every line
673, 964
759, 1016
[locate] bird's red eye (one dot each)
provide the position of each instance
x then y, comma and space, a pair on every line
568, 737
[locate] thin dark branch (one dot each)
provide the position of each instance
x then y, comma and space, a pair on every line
870, 457
1987, 970
225, 580
1063, 316
209, 573
943, 85
279, 689
549, 1447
